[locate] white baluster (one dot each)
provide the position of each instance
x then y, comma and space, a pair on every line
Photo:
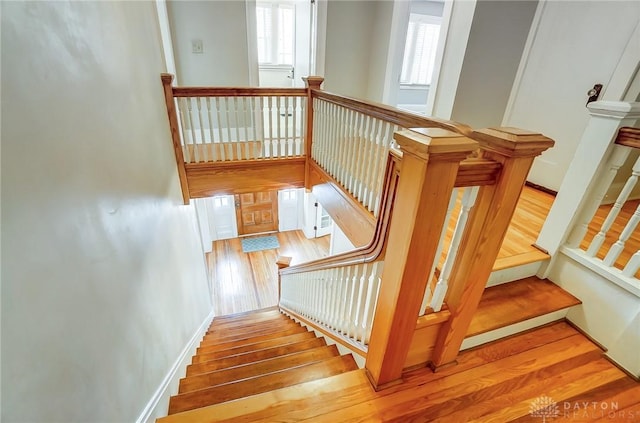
194, 140
372, 299
617, 159
214, 153
227, 108
351, 151
296, 136
343, 324
223, 155
618, 246
632, 265
468, 201
302, 124
598, 240
183, 124
203, 139
427, 293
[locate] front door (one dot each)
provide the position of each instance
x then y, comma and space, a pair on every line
257, 212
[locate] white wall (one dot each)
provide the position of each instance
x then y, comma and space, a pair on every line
497, 37
609, 314
103, 278
379, 54
222, 27
573, 46
339, 242
350, 26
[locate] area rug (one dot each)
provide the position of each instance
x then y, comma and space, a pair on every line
250, 245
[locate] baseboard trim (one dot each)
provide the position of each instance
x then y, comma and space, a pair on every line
150, 411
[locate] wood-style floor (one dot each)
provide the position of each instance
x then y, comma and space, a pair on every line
552, 372
249, 281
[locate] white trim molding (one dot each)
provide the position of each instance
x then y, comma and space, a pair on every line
151, 411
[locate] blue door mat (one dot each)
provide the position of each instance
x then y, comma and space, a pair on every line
250, 245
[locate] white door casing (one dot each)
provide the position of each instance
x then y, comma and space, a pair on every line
571, 47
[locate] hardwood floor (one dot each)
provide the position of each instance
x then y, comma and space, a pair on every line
249, 281
502, 381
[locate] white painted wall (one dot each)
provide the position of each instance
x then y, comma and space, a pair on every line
222, 27
573, 45
350, 26
609, 314
339, 242
497, 37
380, 52
103, 278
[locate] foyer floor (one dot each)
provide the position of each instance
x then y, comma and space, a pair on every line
244, 282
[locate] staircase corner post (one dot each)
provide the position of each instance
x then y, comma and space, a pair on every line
282, 262
431, 158
488, 222
311, 83
167, 80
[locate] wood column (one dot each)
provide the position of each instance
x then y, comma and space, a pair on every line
488, 223
430, 162
310, 83
167, 79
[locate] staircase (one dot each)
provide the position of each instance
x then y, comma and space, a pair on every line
260, 366
251, 353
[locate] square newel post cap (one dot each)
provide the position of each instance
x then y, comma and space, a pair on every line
313, 82
166, 78
435, 144
512, 142
283, 262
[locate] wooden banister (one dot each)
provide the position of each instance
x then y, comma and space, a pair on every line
377, 246
167, 79
515, 149
391, 114
311, 83
431, 158
237, 92
629, 137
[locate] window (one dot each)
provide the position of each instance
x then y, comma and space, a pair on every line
289, 195
222, 201
276, 31
420, 49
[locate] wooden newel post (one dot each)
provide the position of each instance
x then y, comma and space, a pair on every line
310, 83
488, 224
282, 262
167, 79
430, 162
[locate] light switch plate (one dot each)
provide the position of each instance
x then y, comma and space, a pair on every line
196, 47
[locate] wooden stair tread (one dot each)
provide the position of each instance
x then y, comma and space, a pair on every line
251, 339
249, 357
260, 318
520, 259
250, 326
518, 301
496, 382
259, 384
250, 313
206, 354
236, 335
254, 369
278, 402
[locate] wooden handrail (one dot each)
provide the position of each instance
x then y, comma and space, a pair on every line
629, 137
375, 249
237, 92
391, 114
174, 127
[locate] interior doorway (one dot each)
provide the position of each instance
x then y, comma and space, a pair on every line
257, 212
282, 33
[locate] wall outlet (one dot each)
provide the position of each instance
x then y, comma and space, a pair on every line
196, 47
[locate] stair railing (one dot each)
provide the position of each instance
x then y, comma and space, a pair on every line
407, 296
603, 178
